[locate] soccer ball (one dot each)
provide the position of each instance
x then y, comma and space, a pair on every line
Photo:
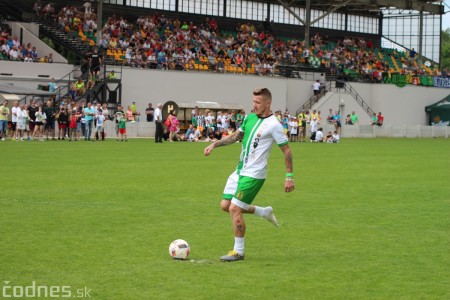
179, 249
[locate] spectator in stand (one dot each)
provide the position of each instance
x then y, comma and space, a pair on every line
316, 87
95, 62
306, 55
157, 41
412, 56
337, 121
374, 119
34, 53
37, 7
87, 9
28, 58
330, 116
354, 118
52, 86
14, 53
348, 121
112, 75
380, 119
322, 80
80, 87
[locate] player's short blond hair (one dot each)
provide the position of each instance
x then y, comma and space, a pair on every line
264, 92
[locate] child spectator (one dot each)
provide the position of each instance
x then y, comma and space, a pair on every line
329, 137
123, 128
73, 125
335, 137
374, 119
99, 130
63, 119
293, 125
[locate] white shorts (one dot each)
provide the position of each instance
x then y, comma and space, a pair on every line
231, 186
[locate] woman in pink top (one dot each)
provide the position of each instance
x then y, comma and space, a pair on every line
129, 114
173, 128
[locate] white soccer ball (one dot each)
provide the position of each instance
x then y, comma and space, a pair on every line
179, 249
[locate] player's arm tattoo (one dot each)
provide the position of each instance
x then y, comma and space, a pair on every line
231, 139
288, 158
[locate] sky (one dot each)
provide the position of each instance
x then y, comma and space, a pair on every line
446, 17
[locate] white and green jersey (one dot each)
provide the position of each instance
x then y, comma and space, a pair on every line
259, 136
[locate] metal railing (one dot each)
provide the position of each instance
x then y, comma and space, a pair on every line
63, 84
314, 98
350, 90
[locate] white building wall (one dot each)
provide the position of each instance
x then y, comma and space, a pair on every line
400, 106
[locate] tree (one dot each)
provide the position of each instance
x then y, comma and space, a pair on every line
445, 49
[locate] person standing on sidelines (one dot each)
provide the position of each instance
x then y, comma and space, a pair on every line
150, 111
259, 131
50, 124
158, 122
89, 114
15, 111
118, 116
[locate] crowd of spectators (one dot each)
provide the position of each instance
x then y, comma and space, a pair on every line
68, 120
12, 49
160, 42
205, 127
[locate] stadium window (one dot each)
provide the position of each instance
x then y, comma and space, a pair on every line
262, 8
299, 11
220, 11
245, 7
238, 9
274, 12
198, 6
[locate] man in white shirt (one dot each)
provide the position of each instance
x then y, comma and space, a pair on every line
87, 9
158, 122
15, 112
13, 53
316, 87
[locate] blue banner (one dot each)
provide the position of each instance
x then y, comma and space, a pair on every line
442, 82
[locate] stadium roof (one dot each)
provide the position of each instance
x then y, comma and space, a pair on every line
370, 6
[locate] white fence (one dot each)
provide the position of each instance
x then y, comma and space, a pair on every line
396, 131
147, 130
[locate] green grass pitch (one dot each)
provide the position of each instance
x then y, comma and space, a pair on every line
370, 219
